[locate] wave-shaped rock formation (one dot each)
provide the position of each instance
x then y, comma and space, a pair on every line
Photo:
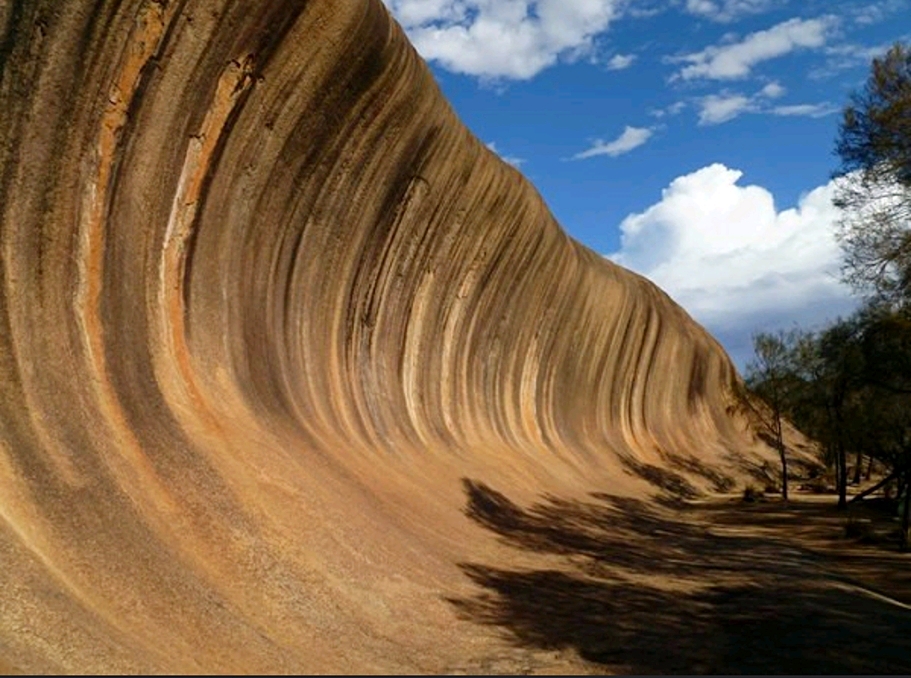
265, 304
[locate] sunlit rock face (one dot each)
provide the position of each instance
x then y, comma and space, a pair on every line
265, 304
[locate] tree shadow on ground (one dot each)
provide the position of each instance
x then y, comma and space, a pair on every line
761, 471
669, 482
721, 482
674, 486
641, 590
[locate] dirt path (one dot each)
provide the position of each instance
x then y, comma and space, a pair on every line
709, 587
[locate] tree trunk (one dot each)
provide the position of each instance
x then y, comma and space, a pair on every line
869, 467
858, 468
873, 489
842, 477
784, 472
906, 514
784, 461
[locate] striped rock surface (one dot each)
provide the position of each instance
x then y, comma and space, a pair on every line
266, 310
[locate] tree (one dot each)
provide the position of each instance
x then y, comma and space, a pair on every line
843, 366
873, 190
886, 344
848, 387
873, 186
771, 377
890, 436
825, 399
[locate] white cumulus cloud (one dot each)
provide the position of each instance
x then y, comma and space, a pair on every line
809, 110
632, 137
506, 39
724, 11
773, 90
847, 56
875, 12
620, 61
511, 159
715, 109
733, 260
674, 109
736, 60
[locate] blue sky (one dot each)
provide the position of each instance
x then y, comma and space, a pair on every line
689, 140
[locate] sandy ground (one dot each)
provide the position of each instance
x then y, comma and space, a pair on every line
716, 586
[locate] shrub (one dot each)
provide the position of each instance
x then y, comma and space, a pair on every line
751, 494
817, 486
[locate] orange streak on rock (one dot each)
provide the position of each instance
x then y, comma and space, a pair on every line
129, 461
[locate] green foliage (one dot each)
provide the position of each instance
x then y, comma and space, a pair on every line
887, 350
771, 376
874, 187
875, 132
847, 386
